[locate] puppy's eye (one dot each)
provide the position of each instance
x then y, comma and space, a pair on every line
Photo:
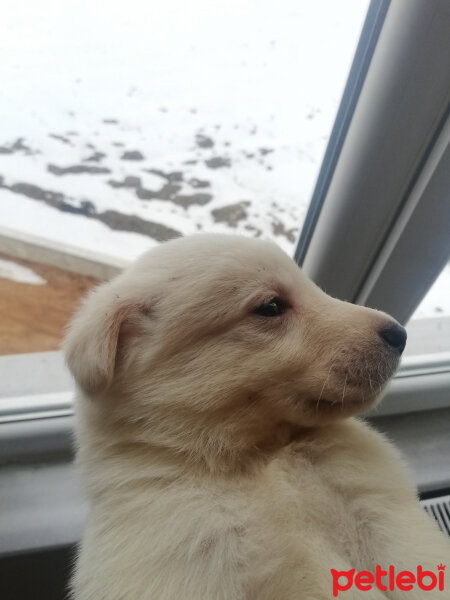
273, 308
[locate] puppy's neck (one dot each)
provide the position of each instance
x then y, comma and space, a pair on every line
185, 441
240, 453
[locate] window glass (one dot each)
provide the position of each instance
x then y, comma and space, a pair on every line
437, 301
126, 124
429, 327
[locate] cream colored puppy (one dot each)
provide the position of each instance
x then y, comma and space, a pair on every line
217, 386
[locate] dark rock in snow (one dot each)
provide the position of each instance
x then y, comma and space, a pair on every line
132, 155
17, 146
186, 200
199, 183
167, 192
218, 162
122, 222
86, 208
231, 214
203, 141
96, 157
60, 138
36, 193
128, 182
77, 170
171, 176
278, 228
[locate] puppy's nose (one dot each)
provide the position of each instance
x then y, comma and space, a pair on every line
395, 336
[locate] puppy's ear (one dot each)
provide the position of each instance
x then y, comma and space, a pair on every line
92, 340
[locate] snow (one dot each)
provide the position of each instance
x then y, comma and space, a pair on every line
261, 85
251, 84
15, 272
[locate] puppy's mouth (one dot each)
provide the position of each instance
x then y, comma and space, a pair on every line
350, 395
355, 388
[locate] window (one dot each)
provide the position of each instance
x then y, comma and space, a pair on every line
122, 131
382, 190
437, 301
429, 327
135, 142
85, 189
169, 120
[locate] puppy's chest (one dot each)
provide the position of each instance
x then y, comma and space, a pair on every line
320, 502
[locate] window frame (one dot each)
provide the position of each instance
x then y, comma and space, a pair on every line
388, 183
37, 438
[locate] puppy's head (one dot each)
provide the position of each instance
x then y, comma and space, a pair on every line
222, 340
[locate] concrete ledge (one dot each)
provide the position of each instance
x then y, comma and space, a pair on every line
33, 374
38, 249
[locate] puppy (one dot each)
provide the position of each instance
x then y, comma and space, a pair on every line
217, 387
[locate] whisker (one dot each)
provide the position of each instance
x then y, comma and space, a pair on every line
343, 392
323, 387
368, 374
335, 353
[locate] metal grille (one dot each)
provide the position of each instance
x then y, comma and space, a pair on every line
439, 509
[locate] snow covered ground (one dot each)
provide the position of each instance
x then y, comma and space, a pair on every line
125, 124
15, 272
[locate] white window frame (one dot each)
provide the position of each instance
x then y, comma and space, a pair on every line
385, 193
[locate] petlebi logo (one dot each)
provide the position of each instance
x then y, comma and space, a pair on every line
388, 579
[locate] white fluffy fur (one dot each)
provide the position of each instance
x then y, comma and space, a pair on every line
218, 447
